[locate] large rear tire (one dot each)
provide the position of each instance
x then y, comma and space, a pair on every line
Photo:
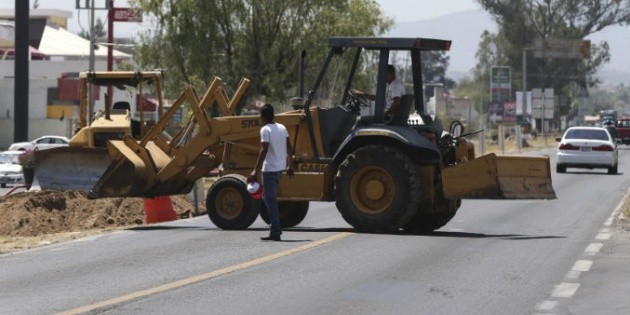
229, 205
291, 212
426, 222
377, 189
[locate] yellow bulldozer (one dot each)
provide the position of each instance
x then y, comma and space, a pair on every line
382, 176
85, 159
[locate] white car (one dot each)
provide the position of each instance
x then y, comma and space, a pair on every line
587, 147
10, 168
41, 143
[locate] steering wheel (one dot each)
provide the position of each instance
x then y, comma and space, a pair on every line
360, 100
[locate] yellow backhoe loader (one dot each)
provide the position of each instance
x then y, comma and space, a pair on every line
382, 176
79, 165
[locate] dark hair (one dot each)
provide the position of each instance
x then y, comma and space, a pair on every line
266, 112
391, 69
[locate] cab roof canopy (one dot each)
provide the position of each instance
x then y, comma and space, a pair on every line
121, 78
391, 43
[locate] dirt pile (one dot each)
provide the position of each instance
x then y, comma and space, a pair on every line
47, 212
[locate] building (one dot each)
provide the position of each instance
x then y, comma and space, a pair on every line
55, 55
450, 108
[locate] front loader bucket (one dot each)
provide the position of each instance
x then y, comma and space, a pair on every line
70, 168
499, 177
136, 171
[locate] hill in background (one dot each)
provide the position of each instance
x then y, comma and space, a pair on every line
465, 29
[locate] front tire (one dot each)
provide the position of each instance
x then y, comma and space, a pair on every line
561, 168
229, 205
613, 170
377, 189
291, 212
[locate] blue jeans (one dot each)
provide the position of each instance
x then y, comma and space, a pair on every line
270, 193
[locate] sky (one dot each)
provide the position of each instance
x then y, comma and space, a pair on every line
400, 10
414, 10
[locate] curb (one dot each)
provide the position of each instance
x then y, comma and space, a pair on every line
618, 215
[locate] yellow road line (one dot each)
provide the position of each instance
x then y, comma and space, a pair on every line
202, 277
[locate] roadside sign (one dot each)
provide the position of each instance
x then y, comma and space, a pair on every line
501, 76
500, 91
500, 83
543, 99
562, 48
127, 15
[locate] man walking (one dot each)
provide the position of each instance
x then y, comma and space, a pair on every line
273, 158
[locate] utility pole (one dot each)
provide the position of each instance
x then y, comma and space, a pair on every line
21, 69
91, 66
110, 51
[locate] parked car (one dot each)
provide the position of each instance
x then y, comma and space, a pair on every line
623, 130
587, 147
10, 168
41, 143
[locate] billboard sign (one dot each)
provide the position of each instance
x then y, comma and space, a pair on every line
127, 15
500, 83
562, 48
543, 100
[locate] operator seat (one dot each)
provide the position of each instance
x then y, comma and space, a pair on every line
135, 125
400, 118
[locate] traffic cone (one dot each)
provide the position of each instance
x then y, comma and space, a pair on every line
159, 209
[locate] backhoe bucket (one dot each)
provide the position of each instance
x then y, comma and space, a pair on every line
70, 168
499, 177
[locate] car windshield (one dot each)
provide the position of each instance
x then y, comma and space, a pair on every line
8, 158
587, 134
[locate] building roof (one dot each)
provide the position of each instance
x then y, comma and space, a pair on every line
36, 13
59, 42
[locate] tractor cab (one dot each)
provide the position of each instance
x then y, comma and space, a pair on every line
362, 63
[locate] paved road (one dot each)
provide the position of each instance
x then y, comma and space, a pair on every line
494, 257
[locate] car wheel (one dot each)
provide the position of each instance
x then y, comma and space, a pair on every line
561, 168
612, 170
3, 185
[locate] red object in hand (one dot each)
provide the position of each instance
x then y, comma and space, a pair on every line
254, 188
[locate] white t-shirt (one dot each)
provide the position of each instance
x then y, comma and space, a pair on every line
394, 89
276, 135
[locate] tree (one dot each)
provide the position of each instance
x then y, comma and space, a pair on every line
259, 39
521, 22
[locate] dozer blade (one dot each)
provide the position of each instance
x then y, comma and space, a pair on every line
70, 168
499, 177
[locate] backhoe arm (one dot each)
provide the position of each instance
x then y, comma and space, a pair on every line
153, 167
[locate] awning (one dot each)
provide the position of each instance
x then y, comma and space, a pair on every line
150, 103
59, 42
5, 53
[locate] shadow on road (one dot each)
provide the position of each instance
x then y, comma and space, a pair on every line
169, 227
347, 229
482, 235
591, 173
